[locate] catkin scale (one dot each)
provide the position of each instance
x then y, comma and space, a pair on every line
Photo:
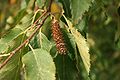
58, 37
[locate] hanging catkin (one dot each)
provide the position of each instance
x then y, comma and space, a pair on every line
58, 37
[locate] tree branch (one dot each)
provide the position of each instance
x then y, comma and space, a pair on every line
27, 40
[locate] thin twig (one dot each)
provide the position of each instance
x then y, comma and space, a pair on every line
26, 41
4, 55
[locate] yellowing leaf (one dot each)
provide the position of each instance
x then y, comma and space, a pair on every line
82, 45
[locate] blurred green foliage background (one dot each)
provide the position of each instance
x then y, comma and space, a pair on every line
104, 33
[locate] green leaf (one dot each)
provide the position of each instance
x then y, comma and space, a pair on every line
3, 48
16, 20
39, 65
118, 43
45, 43
41, 3
70, 43
19, 16
117, 35
46, 28
66, 69
7, 41
78, 7
31, 4
82, 45
66, 7
25, 22
81, 26
11, 70
14, 33
23, 4
27, 1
